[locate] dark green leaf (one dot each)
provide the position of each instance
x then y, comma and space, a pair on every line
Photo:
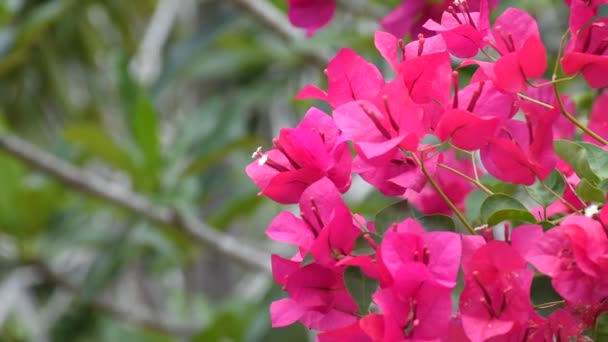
546, 225
542, 292
499, 202
394, 213
437, 222
143, 118
588, 192
597, 158
541, 195
514, 216
360, 287
362, 246
577, 157
600, 331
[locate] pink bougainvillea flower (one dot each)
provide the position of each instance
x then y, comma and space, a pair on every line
337, 239
428, 77
302, 156
574, 272
350, 77
598, 121
317, 296
351, 333
466, 130
496, 295
410, 15
392, 178
581, 12
587, 52
485, 100
462, 30
521, 151
589, 245
523, 55
414, 308
326, 228
407, 242
310, 15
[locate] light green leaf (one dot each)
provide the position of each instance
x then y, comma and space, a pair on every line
597, 158
588, 192
96, 142
500, 207
576, 156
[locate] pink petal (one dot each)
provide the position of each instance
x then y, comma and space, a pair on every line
284, 312
466, 130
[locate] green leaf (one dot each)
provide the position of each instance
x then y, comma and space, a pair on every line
362, 246
473, 204
542, 292
598, 159
600, 331
226, 326
541, 195
437, 222
514, 216
360, 287
235, 209
500, 207
576, 156
107, 264
96, 142
143, 118
588, 192
246, 143
391, 214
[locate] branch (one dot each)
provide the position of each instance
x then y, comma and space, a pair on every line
147, 63
270, 16
136, 317
116, 194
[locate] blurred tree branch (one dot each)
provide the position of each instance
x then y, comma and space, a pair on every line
130, 315
266, 13
146, 65
87, 182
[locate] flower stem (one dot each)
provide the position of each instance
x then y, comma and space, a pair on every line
560, 103
470, 179
442, 194
572, 119
540, 103
549, 304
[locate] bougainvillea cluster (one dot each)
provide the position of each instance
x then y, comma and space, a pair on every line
429, 140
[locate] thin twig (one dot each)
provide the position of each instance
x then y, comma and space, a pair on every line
470, 179
540, 103
442, 194
562, 199
87, 182
574, 120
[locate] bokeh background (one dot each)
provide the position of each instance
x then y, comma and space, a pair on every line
125, 127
